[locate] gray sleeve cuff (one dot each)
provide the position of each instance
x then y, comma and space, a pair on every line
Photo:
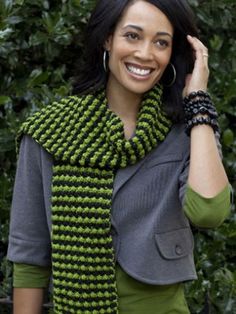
29, 252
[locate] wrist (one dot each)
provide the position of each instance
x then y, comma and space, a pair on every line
199, 110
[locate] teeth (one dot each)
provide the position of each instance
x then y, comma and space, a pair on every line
138, 71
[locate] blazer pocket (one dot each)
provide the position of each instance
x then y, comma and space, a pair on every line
175, 244
154, 161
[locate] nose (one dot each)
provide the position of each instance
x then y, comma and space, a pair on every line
144, 51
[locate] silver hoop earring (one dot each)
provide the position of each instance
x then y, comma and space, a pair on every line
174, 76
105, 58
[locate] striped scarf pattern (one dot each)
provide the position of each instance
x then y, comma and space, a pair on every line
87, 142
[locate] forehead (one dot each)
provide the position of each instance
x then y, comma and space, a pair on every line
145, 15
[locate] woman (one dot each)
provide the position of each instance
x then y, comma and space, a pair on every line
111, 179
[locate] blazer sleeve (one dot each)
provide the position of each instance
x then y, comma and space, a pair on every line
29, 235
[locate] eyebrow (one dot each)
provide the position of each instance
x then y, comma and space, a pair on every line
141, 30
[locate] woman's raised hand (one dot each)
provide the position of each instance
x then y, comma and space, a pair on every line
198, 79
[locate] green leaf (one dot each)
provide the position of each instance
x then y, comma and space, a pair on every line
37, 77
14, 20
4, 100
216, 42
5, 34
228, 137
37, 39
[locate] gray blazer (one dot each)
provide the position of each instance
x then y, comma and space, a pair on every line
151, 234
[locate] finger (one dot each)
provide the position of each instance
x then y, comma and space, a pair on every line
200, 51
205, 58
196, 43
202, 57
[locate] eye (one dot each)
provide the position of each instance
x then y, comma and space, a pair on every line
132, 36
162, 43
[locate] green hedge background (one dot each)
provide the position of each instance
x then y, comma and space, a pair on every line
40, 42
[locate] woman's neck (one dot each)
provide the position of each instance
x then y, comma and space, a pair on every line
123, 103
126, 106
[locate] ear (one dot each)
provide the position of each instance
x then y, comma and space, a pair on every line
107, 44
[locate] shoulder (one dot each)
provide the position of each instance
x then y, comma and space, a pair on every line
49, 118
54, 110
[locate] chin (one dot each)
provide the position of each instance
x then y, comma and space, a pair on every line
141, 90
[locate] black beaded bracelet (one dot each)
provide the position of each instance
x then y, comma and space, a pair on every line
199, 109
191, 112
198, 94
201, 104
199, 121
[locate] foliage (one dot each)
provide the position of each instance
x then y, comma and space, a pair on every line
215, 250
40, 42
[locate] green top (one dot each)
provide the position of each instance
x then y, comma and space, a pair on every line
206, 212
31, 276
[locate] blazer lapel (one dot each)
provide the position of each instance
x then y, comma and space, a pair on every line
123, 175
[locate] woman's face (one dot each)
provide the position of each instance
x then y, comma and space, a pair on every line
139, 49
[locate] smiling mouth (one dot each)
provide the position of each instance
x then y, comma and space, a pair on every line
138, 70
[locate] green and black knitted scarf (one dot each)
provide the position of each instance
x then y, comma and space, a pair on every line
87, 142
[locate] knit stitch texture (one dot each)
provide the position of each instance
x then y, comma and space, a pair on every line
86, 140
